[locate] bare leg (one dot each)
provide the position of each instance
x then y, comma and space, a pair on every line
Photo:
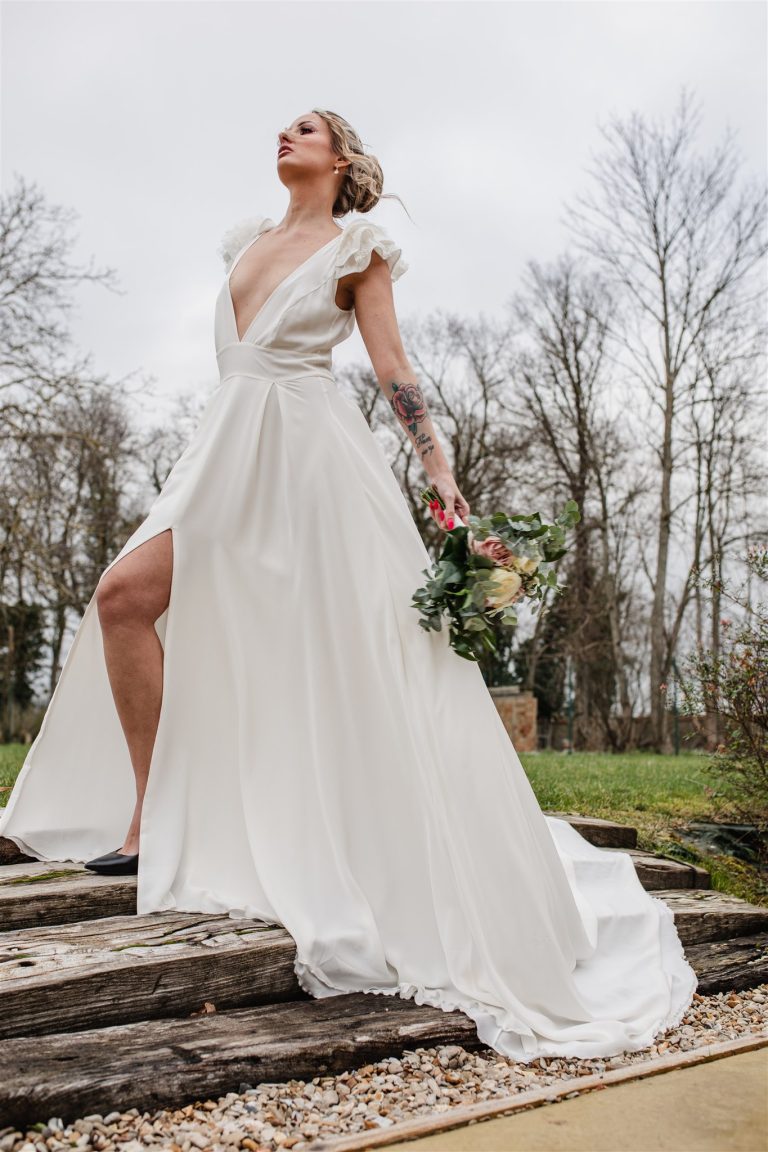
130, 598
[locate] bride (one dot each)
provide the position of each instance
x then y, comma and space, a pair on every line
252, 720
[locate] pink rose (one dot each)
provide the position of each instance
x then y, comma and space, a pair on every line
493, 548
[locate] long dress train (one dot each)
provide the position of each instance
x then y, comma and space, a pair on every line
322, 762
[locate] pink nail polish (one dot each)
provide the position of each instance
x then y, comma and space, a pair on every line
450, 523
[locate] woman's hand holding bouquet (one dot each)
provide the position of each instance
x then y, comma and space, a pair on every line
486, 566
446, 502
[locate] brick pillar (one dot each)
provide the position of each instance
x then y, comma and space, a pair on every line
518, 710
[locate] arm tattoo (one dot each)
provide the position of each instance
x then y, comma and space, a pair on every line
408, 404
424, 441
410, 408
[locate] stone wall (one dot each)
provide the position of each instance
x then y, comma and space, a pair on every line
518, 710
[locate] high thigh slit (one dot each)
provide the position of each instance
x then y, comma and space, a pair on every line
322, 762
163, 615
67, 730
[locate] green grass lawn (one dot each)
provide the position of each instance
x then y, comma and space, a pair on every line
11, 759
655, 794
656, 788
651, 792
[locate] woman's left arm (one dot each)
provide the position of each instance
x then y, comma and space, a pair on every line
374, 305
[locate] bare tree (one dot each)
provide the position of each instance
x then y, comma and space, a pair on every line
563, 378
66, 438
679, 243
727, 431
37, 279
70, 483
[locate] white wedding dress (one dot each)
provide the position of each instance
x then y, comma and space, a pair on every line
321, 761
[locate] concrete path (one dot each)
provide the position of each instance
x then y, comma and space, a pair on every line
721, 1106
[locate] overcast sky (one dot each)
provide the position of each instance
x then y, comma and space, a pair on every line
156, 122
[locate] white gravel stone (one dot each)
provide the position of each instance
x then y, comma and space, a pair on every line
424, 1081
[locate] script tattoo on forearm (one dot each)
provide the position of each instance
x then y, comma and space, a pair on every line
410, 408
424, 442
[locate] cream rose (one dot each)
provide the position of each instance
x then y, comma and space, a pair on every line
526, 564
507, 587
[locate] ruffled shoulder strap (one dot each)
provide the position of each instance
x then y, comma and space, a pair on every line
360, 238
240, 235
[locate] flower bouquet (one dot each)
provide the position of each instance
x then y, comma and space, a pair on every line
485, 568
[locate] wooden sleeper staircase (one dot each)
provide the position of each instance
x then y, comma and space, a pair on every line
105, 1010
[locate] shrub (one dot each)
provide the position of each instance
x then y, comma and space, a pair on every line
733, 684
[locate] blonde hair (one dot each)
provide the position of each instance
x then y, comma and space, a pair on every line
363, 179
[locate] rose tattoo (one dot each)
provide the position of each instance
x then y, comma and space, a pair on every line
408, 404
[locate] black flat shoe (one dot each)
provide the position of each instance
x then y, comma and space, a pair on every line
115, 863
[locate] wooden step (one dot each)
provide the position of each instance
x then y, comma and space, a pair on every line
124, 968
155, 1064
664, 872
45, 892
601, 833
37, 893
702, 916
730, 965
10, 853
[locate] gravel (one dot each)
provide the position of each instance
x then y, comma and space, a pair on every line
297, 1113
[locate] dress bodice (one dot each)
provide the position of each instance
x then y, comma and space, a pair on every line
299, 323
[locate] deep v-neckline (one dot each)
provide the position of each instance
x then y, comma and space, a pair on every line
278, 286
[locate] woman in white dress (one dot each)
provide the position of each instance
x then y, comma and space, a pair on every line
252, 713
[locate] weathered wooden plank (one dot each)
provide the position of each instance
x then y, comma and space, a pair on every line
10, 853
40, 893
46, 893
32, 870
601, 833
125, 968
122, 969
166, 1063
702, 915
657, 872
726, 965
